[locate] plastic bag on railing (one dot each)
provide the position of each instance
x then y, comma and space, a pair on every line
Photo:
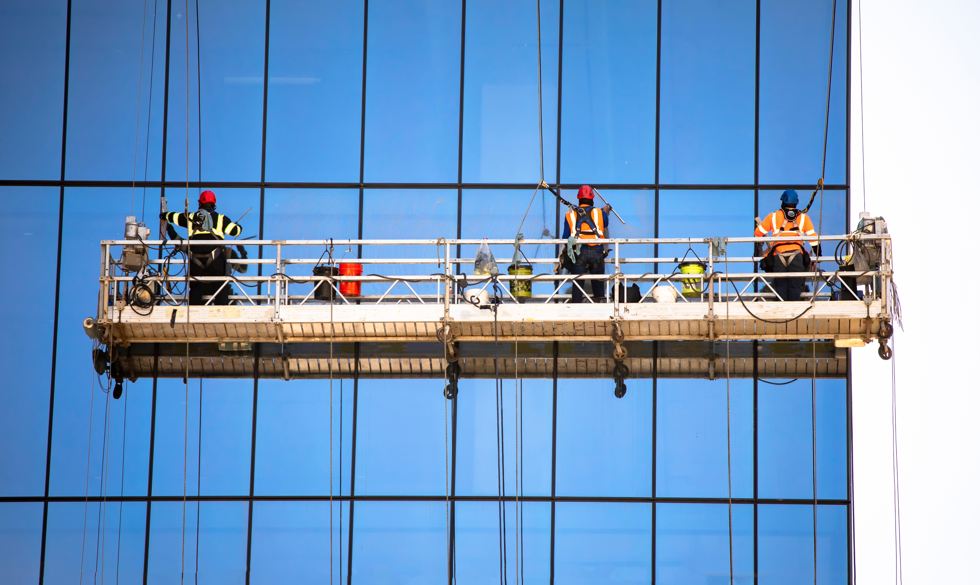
485, 263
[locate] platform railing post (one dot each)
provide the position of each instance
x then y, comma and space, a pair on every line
615, 281
711, 270
278, 278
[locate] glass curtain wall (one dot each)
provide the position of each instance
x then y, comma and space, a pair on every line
410, 119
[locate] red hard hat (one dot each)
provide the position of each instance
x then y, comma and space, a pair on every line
207, 197
585, 192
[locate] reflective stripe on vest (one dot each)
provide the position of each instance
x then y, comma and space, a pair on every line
574, 223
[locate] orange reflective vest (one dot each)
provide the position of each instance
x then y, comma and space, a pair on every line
580, 228
781, 227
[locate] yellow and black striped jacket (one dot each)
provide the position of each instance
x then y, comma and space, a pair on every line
222, 225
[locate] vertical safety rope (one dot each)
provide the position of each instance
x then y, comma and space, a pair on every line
864, 185
896, 494
499, 413
813, 386
728, 412
149, 108
139, 104
103, 475
88, 461
187, 354
330, 369
517, 497
122, 482
445, 413
540, 114
197, 529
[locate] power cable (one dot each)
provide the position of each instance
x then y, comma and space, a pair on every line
896, 492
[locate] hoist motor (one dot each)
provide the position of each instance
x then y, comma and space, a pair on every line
134, 256
867, 253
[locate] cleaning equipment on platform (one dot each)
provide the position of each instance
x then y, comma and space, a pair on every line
520, 289
629, 294
665, 294
692, 286
485, 263
352, 288
478, 297
325, 291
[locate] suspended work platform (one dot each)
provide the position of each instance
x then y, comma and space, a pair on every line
412, 316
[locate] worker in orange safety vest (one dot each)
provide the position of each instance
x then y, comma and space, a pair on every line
789, 256
587, 223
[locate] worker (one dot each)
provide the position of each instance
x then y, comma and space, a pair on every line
207, 224
790, 256
586, 223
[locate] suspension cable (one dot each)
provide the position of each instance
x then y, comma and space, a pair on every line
864, 184
88, 461
896, 493
187, 343
330, 369
540, 114
517, 497
139, 104
728, 414
197, 529
122, 482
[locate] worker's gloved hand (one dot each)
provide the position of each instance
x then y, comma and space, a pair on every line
242, 253
758, 249
816, 250
607, 208
163, 215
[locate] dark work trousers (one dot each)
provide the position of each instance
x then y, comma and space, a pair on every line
788, 288
200, 290
589, 261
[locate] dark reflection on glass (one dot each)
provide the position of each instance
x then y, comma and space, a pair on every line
412, 120
232, 52
786, 544
602, 542
32, 61
609, 92
793, 91
693, 544
707, 92
314, 126
692, 438
500, 104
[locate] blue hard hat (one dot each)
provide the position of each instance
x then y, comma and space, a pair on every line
790, 197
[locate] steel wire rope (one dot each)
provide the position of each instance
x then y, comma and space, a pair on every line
88, 462
499, 413
517, 457
187, 284
896, 492
100, 527
197, 530
330, 370
728, 419
139, 104
122, 482
445, 412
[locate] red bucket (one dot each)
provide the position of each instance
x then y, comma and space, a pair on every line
350, 289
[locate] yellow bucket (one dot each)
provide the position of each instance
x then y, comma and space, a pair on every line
691, 288
520, 289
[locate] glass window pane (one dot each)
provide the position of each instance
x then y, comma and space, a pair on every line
314, 118
609, 92
477, 453
399, 542
692, 438
225, 431
308, 214
478, 542
786, 544
213, 545
107, 102
20, 541
602, 543
401, 437
692, 544
32, 62
407, 214
291, 542
785, 440
113, 537
232, 56
412, 122
293, 444
793, 91
500, 103
707, 92
81, 398
33, 232
605, 443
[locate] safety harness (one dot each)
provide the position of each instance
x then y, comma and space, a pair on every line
786, 257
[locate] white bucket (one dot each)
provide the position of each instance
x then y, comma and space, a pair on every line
665, 294
478, 297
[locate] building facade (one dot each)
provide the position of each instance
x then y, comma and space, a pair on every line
408, 120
